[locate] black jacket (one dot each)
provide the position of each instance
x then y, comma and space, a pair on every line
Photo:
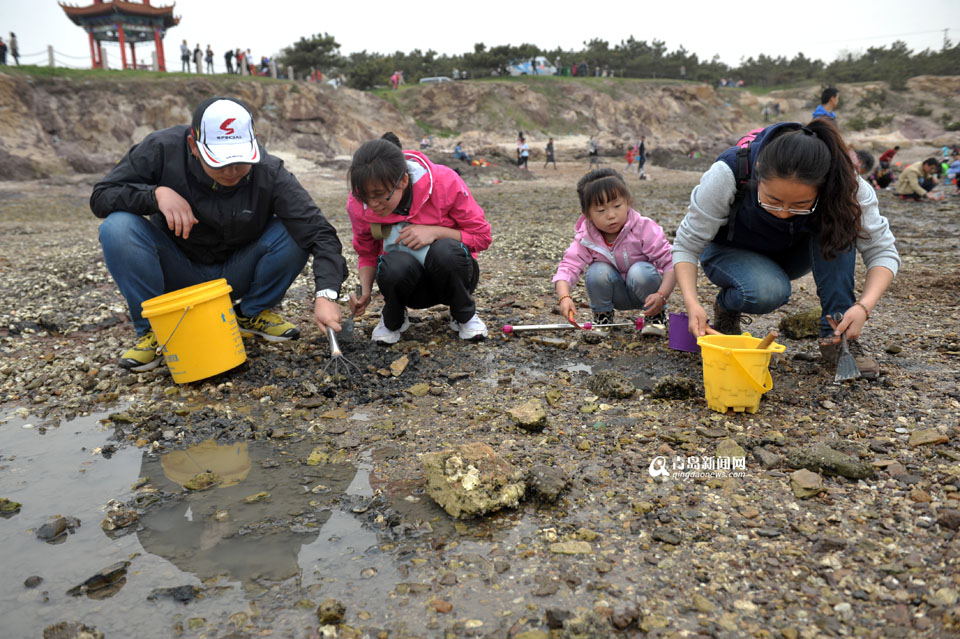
230, 217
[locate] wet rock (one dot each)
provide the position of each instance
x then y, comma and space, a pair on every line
554, 617
767, 459
58, 528
501, 566
586, 624
949, 518
927, 437
824, 459
419, 390
666, 536
529, 415
441, 606
945, 597
806, 484
547, 482
623, 617
183, 594
653, 621
261, 496
802, 324
571, 547
71, 630
331, 611
471, 480
702, 604
546, 586
674, 387
202, 481
611, 385
894, 349
730, 448
8, 507
102, 579
119, 519
32, 581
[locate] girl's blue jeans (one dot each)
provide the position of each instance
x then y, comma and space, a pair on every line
145, 262
608, 290
757, 283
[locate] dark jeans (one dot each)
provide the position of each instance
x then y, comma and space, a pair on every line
756, 283
449, 275
145, 262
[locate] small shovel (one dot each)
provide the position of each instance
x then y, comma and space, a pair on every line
846, 365
768, 340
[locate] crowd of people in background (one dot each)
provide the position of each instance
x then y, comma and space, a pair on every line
235, 61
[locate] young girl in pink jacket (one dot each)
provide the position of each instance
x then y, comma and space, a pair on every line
626, 256
417, 230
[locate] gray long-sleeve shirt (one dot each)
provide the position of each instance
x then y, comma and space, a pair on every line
709, 209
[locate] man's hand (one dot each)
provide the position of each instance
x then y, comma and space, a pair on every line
176, 211
326, 313
697, 323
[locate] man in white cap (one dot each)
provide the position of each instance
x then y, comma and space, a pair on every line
196, 203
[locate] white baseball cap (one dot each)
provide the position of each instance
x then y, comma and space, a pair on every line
223, 129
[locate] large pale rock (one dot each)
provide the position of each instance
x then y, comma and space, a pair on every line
471, 480
806, 484
529, 415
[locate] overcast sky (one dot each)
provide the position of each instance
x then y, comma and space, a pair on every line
705, 27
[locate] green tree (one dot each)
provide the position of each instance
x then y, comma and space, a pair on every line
316, 52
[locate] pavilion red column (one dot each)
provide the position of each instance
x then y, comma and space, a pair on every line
133, 55
93, 52
161, 62
123, 46
99, 55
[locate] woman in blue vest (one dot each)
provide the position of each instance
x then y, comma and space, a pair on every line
790, 203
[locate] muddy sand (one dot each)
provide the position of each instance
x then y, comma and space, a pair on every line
321, 526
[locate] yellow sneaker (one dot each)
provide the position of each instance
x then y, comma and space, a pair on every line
269, 326
143, 356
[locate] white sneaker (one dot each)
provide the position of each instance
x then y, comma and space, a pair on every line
473, 328
384, 335
656, 325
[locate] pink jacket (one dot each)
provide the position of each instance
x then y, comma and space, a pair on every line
640, 240
440, 198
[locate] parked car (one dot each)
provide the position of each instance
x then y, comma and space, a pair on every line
435, 78
523, 67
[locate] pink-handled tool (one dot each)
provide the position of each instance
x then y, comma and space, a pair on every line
587, 326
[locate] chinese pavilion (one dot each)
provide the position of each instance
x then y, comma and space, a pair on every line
123, 22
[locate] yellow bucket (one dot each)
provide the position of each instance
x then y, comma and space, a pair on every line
735, 372
197, 330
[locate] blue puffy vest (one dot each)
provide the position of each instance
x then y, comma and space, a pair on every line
749, 226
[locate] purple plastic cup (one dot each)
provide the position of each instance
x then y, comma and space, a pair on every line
680, 337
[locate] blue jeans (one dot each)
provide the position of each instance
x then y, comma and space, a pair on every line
608, 290
145, 262
755, 283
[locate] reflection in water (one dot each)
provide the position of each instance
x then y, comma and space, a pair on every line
217, 532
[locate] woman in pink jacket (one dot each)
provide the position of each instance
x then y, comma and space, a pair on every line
417, 231
626, 256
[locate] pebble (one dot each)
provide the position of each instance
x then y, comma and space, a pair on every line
571, 547
530, 415
441, 606
33, 581
331, 611
927, 436
805, 483
703, 604
945, 597
666, 536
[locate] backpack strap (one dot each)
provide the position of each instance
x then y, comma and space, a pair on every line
742, 176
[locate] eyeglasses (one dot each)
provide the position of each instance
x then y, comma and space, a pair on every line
780, 209
389, 195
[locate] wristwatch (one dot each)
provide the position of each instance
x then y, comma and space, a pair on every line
329, 294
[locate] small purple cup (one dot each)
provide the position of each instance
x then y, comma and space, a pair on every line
680, 337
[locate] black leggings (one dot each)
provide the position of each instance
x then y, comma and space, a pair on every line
449, 275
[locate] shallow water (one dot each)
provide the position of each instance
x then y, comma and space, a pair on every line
321, 533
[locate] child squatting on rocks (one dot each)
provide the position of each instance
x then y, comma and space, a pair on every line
626, 256
417, 230
803, 209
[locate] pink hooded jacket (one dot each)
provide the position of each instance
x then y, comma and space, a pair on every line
440, 198
640, 240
